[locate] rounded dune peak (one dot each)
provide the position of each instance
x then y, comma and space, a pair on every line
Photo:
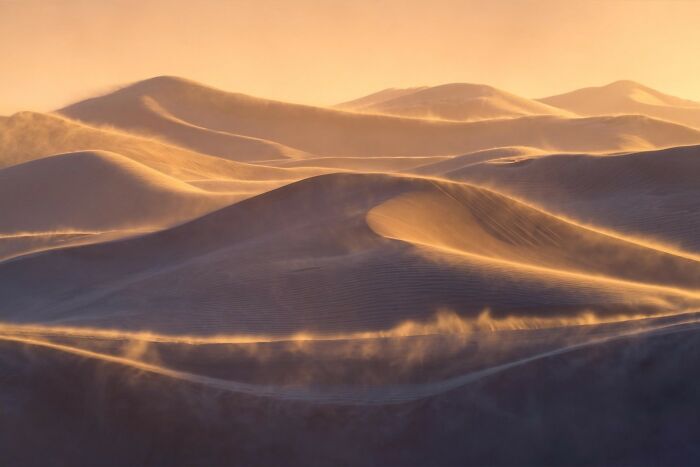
95, 191
626, 84
164, 82
455, 101
628, 97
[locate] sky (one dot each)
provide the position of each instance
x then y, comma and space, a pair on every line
322, 52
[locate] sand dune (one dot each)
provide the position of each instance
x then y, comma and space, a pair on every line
67, 198
28, 135
628, 97
347, 253
456, 101
139, 417
181, 265
135, 110
648, 194
328, 132
95, 191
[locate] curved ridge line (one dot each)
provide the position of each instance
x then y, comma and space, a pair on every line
351, 396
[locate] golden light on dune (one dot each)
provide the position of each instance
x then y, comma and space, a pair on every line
314, 52
457, 232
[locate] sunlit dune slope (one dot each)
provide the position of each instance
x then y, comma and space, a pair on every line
95, 191
456, 101
146, 109
329, 132
345, 253
27, 135
649, 194
68, 197
628, 97
378, 97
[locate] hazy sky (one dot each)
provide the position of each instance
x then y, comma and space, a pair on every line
325, 51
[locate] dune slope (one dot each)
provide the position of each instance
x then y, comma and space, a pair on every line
71, 197
649, 194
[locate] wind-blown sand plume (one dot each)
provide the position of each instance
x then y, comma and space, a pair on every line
107, 402
628, 97
328, 132
135, 109
652, 194
456, 101
302, 257
28, 135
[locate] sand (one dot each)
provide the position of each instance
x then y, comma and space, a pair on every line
457, 101
447, 275
331, 133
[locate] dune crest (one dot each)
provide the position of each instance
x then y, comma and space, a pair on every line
303, 258
456, 101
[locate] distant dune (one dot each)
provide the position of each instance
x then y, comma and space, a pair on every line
457, 101
328, 132
628, 97
27, 136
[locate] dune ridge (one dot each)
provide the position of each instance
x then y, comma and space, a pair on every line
650, 194
628, 97
349, 252
332, 133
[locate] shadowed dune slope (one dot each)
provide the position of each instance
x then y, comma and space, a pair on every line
456, 101
329, 132
654, 194
628, 97
345, 253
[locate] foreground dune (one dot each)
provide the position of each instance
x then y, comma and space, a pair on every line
456, 101
328, 132
348, 253
628, 97
125, 403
